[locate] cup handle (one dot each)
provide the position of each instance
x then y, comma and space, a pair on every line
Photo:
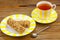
54, 6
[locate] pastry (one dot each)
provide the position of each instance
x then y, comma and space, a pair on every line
15, 25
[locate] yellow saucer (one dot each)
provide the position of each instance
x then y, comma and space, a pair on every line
11, 32
50, 19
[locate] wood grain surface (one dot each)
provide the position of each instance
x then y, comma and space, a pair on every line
9, 7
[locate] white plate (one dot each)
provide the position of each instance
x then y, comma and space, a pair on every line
11, 32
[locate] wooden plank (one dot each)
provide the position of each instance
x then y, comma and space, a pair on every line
24, 2
17, 3
1, 38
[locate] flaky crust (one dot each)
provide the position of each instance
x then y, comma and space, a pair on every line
19, 26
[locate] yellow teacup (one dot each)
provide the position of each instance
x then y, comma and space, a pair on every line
45, 8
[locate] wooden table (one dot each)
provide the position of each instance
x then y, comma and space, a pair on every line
9, 7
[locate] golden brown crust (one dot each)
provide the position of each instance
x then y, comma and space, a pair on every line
19, 26
15, 25
25, 23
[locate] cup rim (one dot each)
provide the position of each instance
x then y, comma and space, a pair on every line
41, 2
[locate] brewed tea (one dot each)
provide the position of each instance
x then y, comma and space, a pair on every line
44, 6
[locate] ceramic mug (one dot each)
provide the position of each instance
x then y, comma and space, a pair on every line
45, 13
